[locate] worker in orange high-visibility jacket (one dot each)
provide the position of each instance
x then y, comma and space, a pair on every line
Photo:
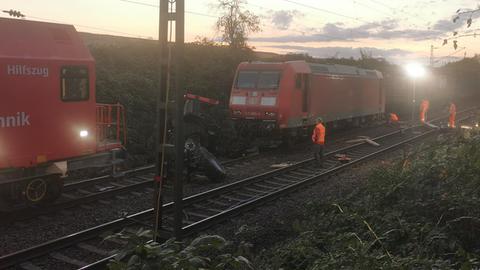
318, 139
393, 118
424, 105
453, 112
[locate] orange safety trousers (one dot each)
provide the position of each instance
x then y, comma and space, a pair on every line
451, 120
423, 109
422, 115
453, 111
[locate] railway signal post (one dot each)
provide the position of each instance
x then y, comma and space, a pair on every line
171, 15
160, 116
179, 102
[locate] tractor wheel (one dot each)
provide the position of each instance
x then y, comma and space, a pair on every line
196, 133
213, 169
42, 190
35, 190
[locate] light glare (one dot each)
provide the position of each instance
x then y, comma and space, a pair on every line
83, 133
415, 70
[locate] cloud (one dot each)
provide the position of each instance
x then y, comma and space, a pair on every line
282, 19
383, 30
445, 26
343, 52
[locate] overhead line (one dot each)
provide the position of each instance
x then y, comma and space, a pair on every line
382, 4
259, 6
395, 10
369, 7
450, 55
303, 32
326, 11
91, 27
157, 6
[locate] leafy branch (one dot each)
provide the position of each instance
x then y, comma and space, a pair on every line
456, 18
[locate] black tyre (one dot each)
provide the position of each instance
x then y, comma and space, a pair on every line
35, 190
42, 190
196, 133
213, 169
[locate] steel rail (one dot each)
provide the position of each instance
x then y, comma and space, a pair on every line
25, 213
34, 211
37, 251
100, 179
31, 212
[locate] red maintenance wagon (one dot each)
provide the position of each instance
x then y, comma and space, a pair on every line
49, 120
284, 99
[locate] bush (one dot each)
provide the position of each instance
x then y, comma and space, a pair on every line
419, 213
204, 252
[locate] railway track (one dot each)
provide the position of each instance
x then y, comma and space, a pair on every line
90, 190
208, 208
102, 189
84, 192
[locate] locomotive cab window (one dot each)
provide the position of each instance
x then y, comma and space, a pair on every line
74, 83
247, 79
258, 80
269, 80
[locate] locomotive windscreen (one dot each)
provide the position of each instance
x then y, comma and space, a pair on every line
258, 80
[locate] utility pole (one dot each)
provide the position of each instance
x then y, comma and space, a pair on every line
432, 61
179, 102
431, 55
161, 116
172, 14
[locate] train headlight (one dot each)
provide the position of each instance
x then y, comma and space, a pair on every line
84, 133
236, 112
268, 101
271, 114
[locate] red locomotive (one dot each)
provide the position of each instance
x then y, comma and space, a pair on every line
284, 99
49, 120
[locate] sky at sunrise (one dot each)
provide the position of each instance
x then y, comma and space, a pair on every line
397, 30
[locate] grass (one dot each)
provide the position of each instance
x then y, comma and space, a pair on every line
420, 212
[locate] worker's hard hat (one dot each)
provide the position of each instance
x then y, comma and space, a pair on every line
319, 119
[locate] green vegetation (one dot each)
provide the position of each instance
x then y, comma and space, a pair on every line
235, 23
418, 213
204, 252
127, 73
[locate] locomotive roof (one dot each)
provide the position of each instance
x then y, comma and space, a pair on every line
40, 40
301, 66
344, 70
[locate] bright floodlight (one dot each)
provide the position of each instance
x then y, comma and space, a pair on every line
415, 70
83, 133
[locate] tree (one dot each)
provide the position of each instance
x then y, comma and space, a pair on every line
459, 15
235, 23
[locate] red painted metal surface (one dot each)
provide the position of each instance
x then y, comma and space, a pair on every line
111, 126
36, 125
202, 99
330, 95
